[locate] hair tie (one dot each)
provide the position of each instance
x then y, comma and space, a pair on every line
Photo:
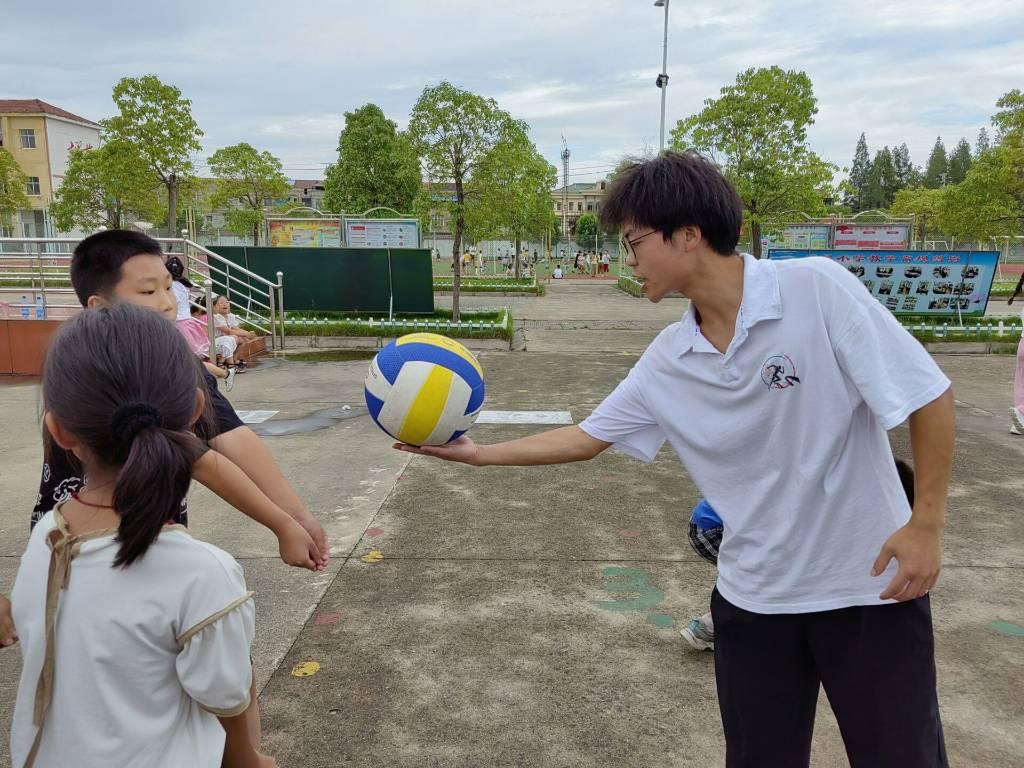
129, 420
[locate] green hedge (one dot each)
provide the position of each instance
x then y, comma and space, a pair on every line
491, 285
491, 325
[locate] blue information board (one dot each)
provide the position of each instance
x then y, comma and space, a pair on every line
917, 282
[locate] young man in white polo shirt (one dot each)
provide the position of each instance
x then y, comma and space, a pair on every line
776, 390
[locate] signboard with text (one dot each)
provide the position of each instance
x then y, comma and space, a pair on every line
917, 282
304, 233
806, 236
886, 237
382, 233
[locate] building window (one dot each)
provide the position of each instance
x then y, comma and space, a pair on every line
590, 206
558, 206
32, 186
579, 206
28, 139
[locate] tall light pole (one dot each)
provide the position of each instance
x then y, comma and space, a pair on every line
662, 81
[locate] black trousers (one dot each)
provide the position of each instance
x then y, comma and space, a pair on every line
876, 664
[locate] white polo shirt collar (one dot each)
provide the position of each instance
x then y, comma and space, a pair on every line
761, 301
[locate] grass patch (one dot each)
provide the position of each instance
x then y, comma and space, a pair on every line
928, 330
630, 286
329, 356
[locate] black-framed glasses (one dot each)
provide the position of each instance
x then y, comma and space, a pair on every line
627, 245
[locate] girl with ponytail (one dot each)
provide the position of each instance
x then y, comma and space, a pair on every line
135, 636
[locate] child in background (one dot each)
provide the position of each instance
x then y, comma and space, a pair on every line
107, 576
706, 537
1017, 409
191, 322
230, 333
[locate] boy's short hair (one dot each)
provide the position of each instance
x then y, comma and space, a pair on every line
675, 190
97, 260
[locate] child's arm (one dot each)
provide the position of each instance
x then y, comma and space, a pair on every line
8, 634
243, 447
238, 749
223, 477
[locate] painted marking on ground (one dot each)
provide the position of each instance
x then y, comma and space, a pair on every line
524, 417
1006, 628
373, 556
629, 581
628, 533
326, 619
662, 620
256, 417
374, 532
305, 669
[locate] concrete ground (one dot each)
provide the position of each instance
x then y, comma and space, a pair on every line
530, 616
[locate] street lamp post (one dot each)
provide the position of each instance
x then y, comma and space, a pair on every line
662, 81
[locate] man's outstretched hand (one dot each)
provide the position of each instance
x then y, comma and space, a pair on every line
462, 450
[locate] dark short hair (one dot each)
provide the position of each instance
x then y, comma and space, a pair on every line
97, 260
675, 190
123, 381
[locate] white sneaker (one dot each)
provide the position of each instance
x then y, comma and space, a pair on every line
229, 382
1016, 422
698, 636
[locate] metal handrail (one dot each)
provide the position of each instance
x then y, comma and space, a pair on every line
37, 266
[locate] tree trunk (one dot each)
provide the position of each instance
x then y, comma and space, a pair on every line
460, 224
256, 235
755, 238
172, 205
518, 248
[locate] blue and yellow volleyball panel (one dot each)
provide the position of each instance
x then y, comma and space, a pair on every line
424, 389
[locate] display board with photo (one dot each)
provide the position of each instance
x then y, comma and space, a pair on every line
917, 282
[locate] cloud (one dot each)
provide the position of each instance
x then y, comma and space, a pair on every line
281, 76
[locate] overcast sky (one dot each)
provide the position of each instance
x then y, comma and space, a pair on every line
280, 75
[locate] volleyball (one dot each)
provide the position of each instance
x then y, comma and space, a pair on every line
424, 389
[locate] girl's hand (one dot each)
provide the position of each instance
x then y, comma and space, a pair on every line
298, 548
8, 635
316, 531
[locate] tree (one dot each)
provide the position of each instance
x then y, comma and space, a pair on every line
983, 143
990, 200
452, 130
882, 180
756, 131
984, 203
511, 190
1009, 120
937, 171
921, 203
102, 186
248, 181
960, 162
586, 230
860, 171
377, 165
156, 122
13, 196
907, 175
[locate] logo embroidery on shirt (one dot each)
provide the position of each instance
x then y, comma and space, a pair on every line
779, 372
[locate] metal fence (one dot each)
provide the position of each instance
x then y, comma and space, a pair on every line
35, 283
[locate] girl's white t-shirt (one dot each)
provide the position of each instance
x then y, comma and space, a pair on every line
145, 657
181, 295
226, 321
